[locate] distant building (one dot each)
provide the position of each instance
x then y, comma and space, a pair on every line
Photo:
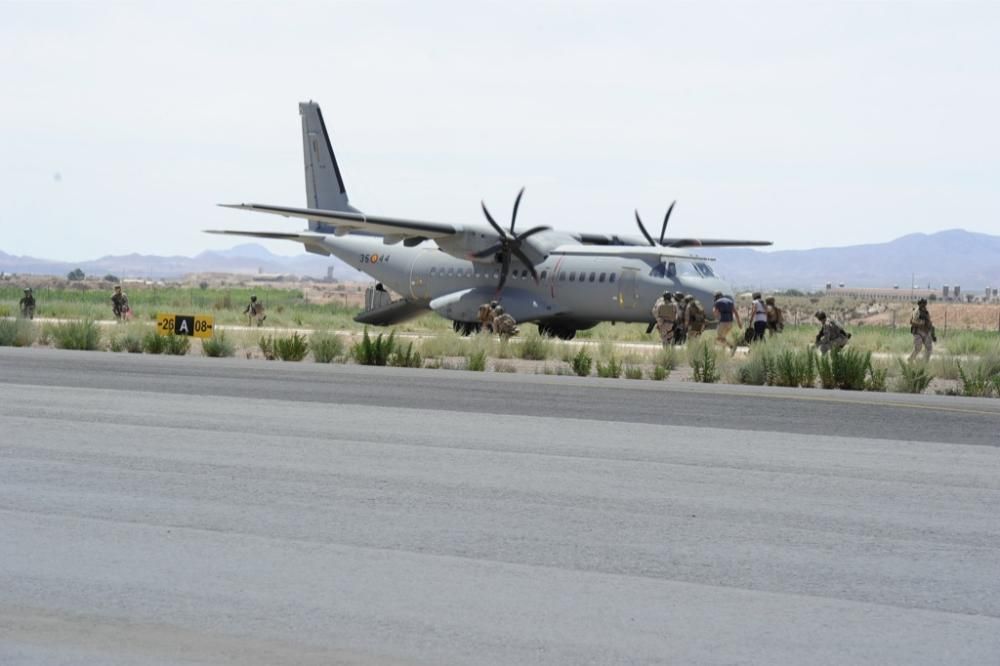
882, 293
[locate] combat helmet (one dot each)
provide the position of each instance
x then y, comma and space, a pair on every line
922, 301
688, 298
499, 309
678, 296
820, 315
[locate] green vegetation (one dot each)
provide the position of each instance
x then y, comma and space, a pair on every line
850, 370
291, 348
581, 363
218, 346
633, 372
410, 358
127, 338
326, 347
535, 347
476, 361
374, 352
84, 335
703, 358
659, 373
17, 333
980, 379
174, 345
913, 377
612, 369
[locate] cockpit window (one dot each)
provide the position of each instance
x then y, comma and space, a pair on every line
704, 269
664, 270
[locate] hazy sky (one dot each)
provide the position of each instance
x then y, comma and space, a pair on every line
811, 124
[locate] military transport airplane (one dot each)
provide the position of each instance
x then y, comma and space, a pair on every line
563, 281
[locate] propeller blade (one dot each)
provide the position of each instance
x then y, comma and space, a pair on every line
532, 231
524, 260
493, 249
643, 229
517, 204
493, 223
504, 269
666, 218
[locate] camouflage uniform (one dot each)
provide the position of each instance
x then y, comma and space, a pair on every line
680, 327
255, 311
694, 316
119, 304
832, 335
486, 315
27, 304
922, 330
775, 317
504, 324
664, 311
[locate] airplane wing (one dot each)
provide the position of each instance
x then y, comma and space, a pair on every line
606, 239
343, 222
657, 252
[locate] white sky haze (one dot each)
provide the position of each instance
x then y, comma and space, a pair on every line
811, 124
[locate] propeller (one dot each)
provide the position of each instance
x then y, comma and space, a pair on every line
663, 230
509, 243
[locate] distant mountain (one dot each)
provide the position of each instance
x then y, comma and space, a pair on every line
247, 259
953, 257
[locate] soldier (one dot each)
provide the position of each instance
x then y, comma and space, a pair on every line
922, 330
725, 310
503, 323
831, 334
255, 312
119, 304
775, 317
680, 328
664, 311
694, 317
27, 304
486, 315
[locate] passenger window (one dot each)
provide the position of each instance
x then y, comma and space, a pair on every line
593, 276
542, 276
572, 276
601, 277
451, 272
562, 276
612, 278
433, 271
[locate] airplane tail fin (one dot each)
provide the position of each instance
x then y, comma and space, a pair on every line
324, 185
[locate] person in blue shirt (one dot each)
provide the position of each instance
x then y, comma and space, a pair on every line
725, 312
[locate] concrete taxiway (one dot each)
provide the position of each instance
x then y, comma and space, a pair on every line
192, 510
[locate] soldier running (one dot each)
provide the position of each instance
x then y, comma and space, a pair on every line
923, 330
27, 304
255, 312
694, 317
487, 311
119, 304
775, 317
680, 328
503, 323
831, 334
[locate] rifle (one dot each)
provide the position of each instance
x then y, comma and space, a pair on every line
649, 329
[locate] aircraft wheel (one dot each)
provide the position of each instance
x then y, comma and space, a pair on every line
566, 334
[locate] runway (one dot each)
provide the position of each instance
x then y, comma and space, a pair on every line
164, 510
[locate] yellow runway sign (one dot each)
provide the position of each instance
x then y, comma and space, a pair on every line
199, 326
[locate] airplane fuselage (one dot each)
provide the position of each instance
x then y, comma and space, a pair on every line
577, 290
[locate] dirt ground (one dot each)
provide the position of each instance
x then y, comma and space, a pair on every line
973, 316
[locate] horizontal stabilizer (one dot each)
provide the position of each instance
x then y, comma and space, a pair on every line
347, 221
313, 242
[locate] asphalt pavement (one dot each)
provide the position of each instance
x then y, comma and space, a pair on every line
163, 510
